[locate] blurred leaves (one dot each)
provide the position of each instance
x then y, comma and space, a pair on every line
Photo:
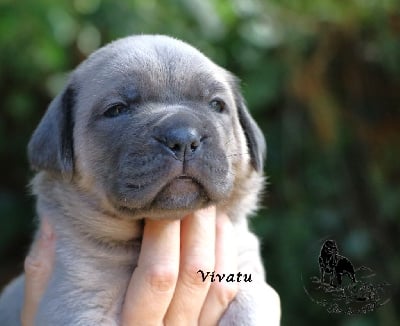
321, 78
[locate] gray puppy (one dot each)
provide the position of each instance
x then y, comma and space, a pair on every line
146, 127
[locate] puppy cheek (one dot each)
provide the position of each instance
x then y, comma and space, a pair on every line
239, 159
87, 176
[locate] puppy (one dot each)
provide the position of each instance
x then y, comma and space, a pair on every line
147, 127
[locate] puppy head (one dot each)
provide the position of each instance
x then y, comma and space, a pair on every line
153, 127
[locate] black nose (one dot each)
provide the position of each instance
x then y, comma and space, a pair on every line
181, 141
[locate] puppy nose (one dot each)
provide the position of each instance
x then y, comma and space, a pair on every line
182, 142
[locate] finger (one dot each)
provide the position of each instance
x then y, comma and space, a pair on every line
153, 282
221, 293
197, 253
38, 267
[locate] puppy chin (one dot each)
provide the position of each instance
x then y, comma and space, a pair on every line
181, 194
178, 198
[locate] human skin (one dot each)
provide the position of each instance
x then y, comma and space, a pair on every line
164, 289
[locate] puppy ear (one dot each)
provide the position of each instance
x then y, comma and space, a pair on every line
51, 145
254, 136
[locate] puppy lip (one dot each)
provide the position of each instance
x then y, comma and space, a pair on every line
188, 178
185, 177
136, 186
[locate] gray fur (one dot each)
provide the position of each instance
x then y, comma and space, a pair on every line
51, 146
99, 176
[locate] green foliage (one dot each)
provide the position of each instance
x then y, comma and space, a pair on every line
321, 78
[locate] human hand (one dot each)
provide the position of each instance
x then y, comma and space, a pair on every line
165, 287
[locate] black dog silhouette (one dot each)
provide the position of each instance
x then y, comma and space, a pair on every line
330, 262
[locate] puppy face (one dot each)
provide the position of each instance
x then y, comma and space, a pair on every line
152, 127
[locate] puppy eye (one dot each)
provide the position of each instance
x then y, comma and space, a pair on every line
115, 110
218, 105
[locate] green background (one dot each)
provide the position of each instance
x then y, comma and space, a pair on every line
321, 77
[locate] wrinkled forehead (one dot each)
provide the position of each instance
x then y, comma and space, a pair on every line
155, 70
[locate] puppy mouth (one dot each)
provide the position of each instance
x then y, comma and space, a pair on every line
183, 181
182, 192
141, 186
185, 177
